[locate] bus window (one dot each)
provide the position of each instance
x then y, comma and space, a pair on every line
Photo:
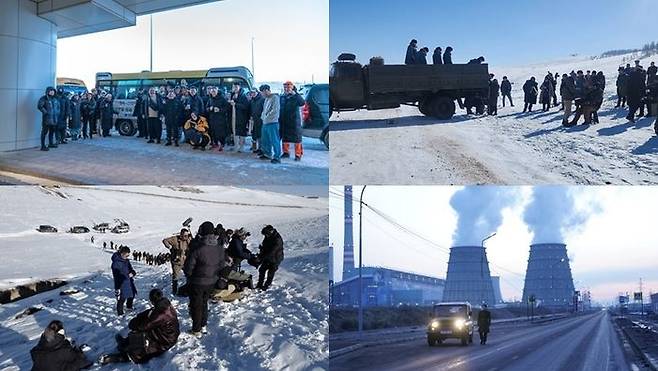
127, 89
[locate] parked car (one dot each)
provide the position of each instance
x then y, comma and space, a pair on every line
315, 113
79, 229
44, 228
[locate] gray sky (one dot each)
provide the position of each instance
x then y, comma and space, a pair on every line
608, 252
291, 41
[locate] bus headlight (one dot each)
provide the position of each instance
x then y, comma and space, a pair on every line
459, 323
434, 325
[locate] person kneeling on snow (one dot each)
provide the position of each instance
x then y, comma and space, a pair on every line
270, 256
152, 333
55, 352
237, 249
197, 132
124, 285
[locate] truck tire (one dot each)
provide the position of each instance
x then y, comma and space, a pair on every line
431, 341
423, 107
442, 108
126, 128
465, 340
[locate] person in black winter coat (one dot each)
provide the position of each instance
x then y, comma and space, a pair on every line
237, 249
54, 352
478, 60
635, 92
447, 56
202, 266
87, 112
217, 112
172, 110
484, 324
153, 110
270, 255
506, 90
152, 333
492, 105
107, 114
651, 73
139, 112
256, 110
410, 58
436, 57
123, 274
240, 105
530, 90
290, 121
76, 121
48, 105
64, 115
421, 56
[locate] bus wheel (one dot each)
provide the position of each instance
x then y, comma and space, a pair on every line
126, 128
443, 108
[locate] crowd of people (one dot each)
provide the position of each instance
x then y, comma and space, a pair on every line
211, 264
217, 120
581, 92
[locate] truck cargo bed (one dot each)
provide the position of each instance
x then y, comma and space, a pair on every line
387, 79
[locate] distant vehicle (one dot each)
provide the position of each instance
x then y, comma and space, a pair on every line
79, 229
71, 86
102, 227
315, 113
432, 88
121, 228
450, 320
125, 87
44, 228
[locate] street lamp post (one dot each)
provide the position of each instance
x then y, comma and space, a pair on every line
361, 262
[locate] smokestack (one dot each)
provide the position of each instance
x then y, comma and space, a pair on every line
498, 295
348, 240
468, 277
548, 276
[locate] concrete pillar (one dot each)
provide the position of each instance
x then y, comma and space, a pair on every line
28, 55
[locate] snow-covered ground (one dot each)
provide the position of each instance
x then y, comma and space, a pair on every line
282, 328
401, 146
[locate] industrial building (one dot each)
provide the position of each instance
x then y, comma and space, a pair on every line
387, 287
498, 295
548, 276
468, 278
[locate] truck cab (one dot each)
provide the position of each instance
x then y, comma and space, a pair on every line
450, 321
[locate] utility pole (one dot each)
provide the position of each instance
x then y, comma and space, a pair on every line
151, 49
641, 299
361, 263
253, 67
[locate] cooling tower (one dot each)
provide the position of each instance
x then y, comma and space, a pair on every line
348, 240
548, 277
468, 277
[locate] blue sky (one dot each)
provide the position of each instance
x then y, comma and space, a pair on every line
291, 41
506, 32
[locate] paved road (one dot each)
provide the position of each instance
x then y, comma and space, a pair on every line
586, 342
131, 161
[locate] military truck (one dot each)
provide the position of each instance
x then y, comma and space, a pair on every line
450, 320
432, 88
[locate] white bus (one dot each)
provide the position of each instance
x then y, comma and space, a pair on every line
124, 87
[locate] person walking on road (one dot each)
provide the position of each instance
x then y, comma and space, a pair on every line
484, 322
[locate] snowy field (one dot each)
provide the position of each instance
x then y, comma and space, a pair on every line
283, 328
513, 148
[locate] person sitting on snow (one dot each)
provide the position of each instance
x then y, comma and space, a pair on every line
55, 352
152, 333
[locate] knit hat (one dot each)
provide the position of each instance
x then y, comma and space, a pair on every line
206, 228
